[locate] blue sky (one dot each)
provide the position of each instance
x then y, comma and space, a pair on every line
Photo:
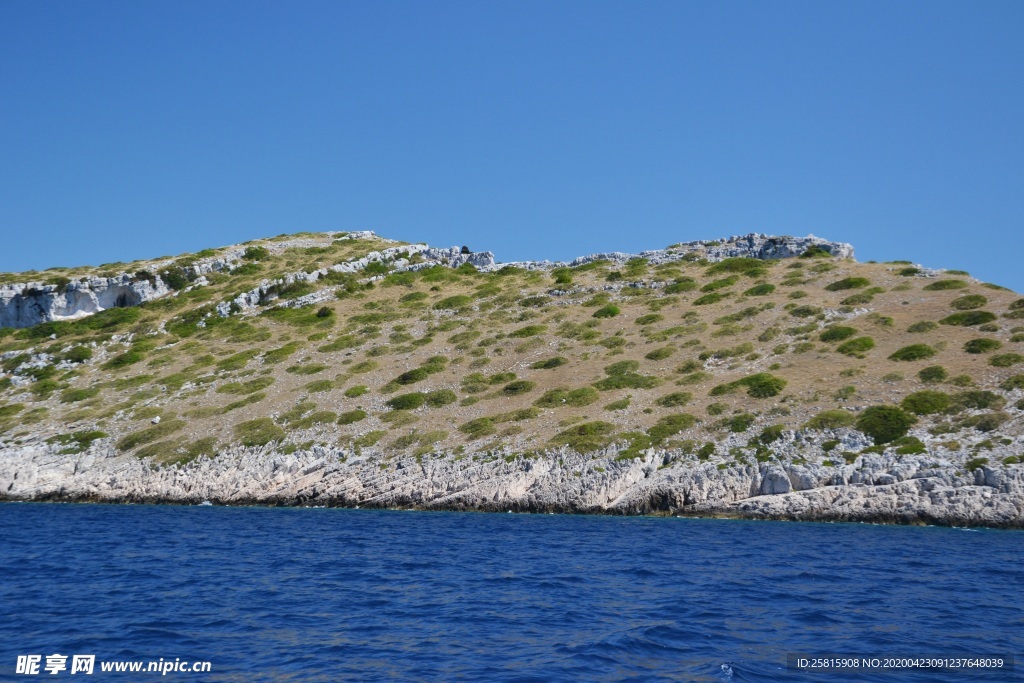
534, 129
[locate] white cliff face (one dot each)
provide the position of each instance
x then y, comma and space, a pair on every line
24, 305
907, 490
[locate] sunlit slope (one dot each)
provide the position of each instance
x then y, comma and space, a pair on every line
709, 359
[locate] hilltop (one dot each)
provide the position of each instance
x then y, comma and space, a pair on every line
754, 376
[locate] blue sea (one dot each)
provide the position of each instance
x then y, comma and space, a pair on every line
277, 594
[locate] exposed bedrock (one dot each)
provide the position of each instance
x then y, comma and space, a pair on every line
907, 490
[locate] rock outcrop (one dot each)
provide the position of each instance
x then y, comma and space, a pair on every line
28, 304
25, 305
907, 490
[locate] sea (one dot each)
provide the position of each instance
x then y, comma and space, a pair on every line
211, 593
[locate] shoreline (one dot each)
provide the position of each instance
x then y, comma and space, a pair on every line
879, 489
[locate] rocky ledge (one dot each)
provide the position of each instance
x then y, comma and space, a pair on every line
876, 488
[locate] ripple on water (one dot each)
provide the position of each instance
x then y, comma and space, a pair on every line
327, 595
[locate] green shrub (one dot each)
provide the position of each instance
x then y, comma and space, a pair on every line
585, 438
76, 442
607, 311
407, 401
623, 375
926, 402
884, 423
771, 434
660, 354
857, 347
805, 311
528, 331
933, 374
549, 363
913, 352
440, 397
518, 387
320, 385
670, 425
923, 326
707, 299
621, 404
306, 369
848, 283
831, 419
478, 428
675, 399
76, 395
453, 302
282, 353
836, 333
969, 302
942, 285
1005, 360
982, 345
412, 376
986, 422
351, 416
78, 354
739, 423
145, 436
975, 464
368, 439
250, 387
1011, 383
356, 391
761, 385
969, 318
909, 445
556, 398
762, 289
715, 285
649, 319
534, 301
680, 285
977, 400
255, 253
258, 432
750, 267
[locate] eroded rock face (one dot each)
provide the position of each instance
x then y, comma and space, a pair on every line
24, 305
878, 489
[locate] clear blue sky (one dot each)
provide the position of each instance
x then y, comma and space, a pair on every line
534, 129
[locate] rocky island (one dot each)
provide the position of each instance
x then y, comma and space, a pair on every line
752, 376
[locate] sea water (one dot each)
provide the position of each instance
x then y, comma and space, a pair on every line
277, 594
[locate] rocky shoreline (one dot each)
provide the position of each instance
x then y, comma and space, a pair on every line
876, 489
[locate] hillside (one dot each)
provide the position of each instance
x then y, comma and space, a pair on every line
381, 356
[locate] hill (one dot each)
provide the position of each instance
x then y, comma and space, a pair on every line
756, 375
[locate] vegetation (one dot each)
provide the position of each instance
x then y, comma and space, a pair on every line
913, 352
884, 423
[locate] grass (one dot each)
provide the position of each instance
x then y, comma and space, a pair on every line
258, 432
154, 433
556, 398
